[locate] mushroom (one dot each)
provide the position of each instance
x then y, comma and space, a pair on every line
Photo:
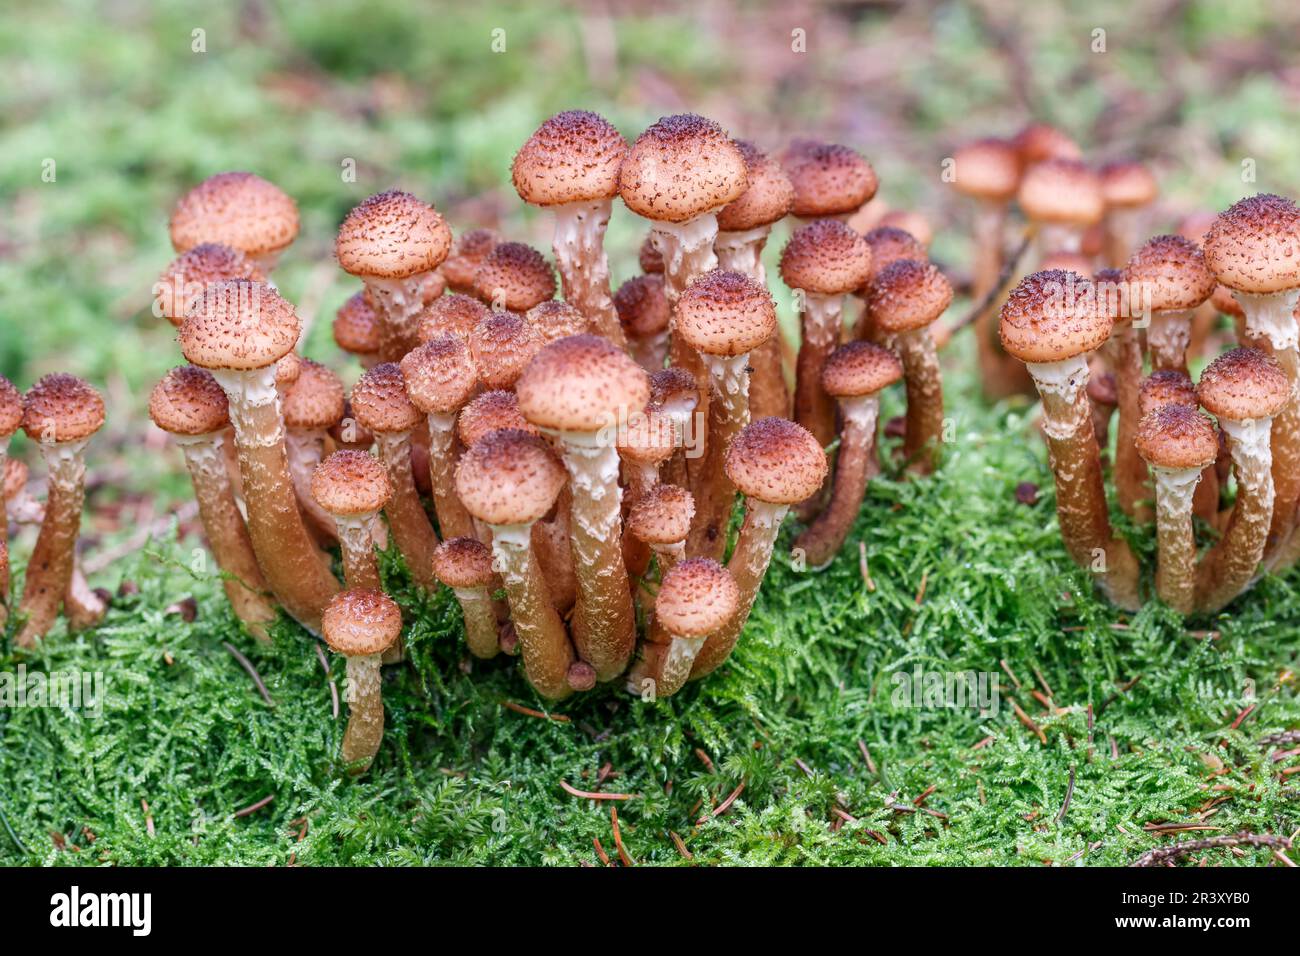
1123, 352
1127, 188
189, 405
829, 180
502, 345
452, 314
649, 258
648, 440
509, 479
60, 412
906, 298
1166, 387
1050, 322
182, 283
855, 375
460, 268
1041, 141
465, 565
556, 319
661, 519
696, 599
514, 276
360, 624
888, 245
675, 394
11, 417
1062, 197
644, 312
1243, 389
239, 210
1171, 273
352, 487
381, 404
489, 412
392, 241
581, 390
570, 165
313, 406
356, 329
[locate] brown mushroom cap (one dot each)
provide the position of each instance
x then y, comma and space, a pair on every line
889, 244
62, 408
911, 222
1128, 185
776, 461
509, 477
392, 235
15, 477
239, 210
1061, 191
1051, 316
380, 402
182, 282
316, 399
516, 274
241, 325
987, 169
648, 439
11, 408
725, 313
1243, 384
1177, 436
768, 199
453, 314
351, 482
860, 368
573, 157
356, 326
649, 258
696, 597
490, 412
1039, 141
583, 383
1165, 387
556, 319
361, 622
1223, 300
642, 306
681, 167
502, 345
1173, 271
188, 401
1254, 246
662, 515
467, 254
908, 294
440, 375
287, 369
826, 257
463, 563
673, 384
828, 179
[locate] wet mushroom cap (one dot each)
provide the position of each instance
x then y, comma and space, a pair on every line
648, 439
188, 401
556, 319
582, 384
1165, 387
860, 368
776, 461
440, 375
1172, 272
1255, 245
489, 412
356, 326
1127, 184
241, 325
62, 408
516, 274
572, 157
11, 408
908, 294
696, 597
987, 169
509, 477
889, 244
649, 258
673, 384
725, 313
316, 398
826, 257
1040, 141
361, 622
680, 168
828, 179
392, 235
502, 345
239, 210
1051, 316
1061, 191
380, 402
463, 563
184, 279
1177, 436
662, 515
351, 482
1242, 385
454, 314
467, 255
768, 199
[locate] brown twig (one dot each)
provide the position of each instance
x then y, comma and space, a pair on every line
618, 838
590, 795
1167, 854
725, 805
866, 756
1025, 719
334, 688
600, 851
681, 846
1069, 794
862, 567
529, 712
249, 810
247, 665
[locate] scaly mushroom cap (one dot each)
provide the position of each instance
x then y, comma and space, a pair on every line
649, 258
911, 222
239, 210
573, 157
188, 401
776, 461
1063, 261
451, 314
1039, 141
62, 408
392, 235
380, 402
440, 375
556, 319
502, 345
987, 169
1102, 389
662, 515
1061, 191
1254, 246
681, 167
182, 282
287, 370
1173, 271
1165, 387
583, 383
1177, 436
1243, 384
490, 412
351, 482
1128, 185
463, 563
515, 276
467, 255
15, 477
826, 257
509, 477
908, 294
672, 385
860, 368
888, 245
1196, 226
11, 408
241, 325
361, 622
356, 326
1051, 316
696, 597
642, 306
316, 399
828, 179
648, 439
725, 313
768, 199
1223, 300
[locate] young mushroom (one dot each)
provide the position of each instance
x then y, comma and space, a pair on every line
1062, 198
515, 277
452, 314
1123, 352
1127, 188
502, 345
357, 329
829, 180
888, 245
556, 319
182, 283
697, 598
353, 487
661, 519
465, 565
460, 268
360, 624
313, 406
239, 210
644, 312
1171, 273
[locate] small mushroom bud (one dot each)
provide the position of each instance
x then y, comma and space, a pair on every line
357, 329
352, 487
1172, 273
887, 245
502, 345
644, 313
467, 255
661, 518
314, 405
514, 276
361, 624
697, 598
182, 283
465, 566
453, 314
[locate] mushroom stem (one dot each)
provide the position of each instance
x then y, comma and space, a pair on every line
715, 496
1168, 337
81, 605
677, 662
356, 535
924, 383
813, 408
1229, 567
480, 621
49, 571
303, 449
989, 227
453, 520
406, 517
1130, 471
399, 302
822, 540
687, 251
579, 247
768, 393
1121, 233
365, 712
544, 645
1176, 545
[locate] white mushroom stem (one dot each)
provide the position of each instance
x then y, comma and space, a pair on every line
688, 436
579, 247
406, 518
854, 466
365, 701
743, 252
1176, 545
543, 643
677, 662
49, 571
715, 496
356, 535
768, 393
453, 520
1168, 336
1229, 567
398, 302
304, 449
480, 621
813, 408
